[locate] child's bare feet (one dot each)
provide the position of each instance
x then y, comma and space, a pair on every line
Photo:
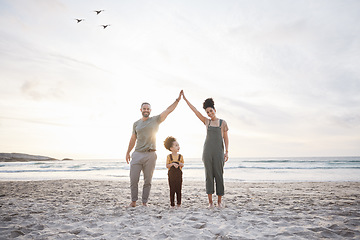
178, 205
211, 205
132, 204
144, 204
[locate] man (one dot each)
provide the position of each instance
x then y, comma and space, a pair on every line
144, 157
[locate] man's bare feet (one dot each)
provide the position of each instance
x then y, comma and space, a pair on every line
132, 204
178, 205
144, 204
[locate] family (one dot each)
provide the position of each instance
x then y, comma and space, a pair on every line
144, 157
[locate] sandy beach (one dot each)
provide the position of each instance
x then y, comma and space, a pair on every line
85, 209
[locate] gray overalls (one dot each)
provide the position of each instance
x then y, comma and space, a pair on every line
213, 158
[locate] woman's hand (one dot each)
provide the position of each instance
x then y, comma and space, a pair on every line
226, 156
183, 94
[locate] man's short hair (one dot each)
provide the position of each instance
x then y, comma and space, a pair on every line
145, 103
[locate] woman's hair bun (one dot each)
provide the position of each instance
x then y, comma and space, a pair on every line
209, 103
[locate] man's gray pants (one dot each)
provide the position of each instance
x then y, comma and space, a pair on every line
145, 162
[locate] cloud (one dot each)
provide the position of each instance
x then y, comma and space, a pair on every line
38, 90
36, 121
253, 114
20, 50
273, 68
30, 88
347, 120
36, 9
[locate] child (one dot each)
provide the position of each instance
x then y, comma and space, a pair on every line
174, 163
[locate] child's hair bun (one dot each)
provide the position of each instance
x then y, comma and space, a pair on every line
209, 103
169, 142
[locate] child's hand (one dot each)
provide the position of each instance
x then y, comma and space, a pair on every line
175, 165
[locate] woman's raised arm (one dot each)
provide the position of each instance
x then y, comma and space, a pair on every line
197, 113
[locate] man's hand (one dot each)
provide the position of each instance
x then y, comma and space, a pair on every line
181, 94
127, 158
131, 146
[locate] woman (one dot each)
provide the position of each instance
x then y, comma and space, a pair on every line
213, 153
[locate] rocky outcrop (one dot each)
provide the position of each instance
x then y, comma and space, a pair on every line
21, 157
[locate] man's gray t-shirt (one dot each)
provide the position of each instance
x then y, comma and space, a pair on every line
145, 132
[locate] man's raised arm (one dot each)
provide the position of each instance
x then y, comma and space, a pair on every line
171, 108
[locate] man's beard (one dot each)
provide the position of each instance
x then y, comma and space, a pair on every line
145, 114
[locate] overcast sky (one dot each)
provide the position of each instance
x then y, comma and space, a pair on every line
285, 75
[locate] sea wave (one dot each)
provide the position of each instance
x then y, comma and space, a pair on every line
163, 168
300, 161
306, 169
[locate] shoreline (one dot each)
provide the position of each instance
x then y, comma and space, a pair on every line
185, 181
96, 209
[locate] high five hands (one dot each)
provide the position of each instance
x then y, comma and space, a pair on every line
183, 95
180, 95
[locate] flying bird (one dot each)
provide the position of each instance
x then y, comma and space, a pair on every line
79, 20
105, 26
98, 11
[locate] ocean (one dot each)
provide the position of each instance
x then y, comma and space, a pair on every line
292, 169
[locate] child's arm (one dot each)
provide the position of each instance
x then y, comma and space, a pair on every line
170, 165
181, 163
